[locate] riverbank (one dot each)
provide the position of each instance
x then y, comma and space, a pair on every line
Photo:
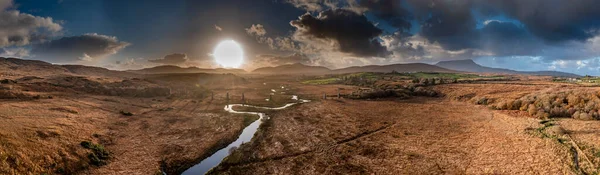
245, 136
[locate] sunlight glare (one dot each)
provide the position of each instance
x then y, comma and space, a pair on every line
229, 54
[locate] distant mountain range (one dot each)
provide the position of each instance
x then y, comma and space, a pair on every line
305, 69
470, 66
167, 69
20, 67
292, 69
410, 67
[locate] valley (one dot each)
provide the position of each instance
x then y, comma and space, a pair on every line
355, 123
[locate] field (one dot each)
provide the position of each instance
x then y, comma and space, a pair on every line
381, 123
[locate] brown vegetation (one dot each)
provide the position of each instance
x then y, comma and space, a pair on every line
65, 123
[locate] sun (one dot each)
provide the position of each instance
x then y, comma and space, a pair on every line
229, 54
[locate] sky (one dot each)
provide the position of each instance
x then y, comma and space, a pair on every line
530, 35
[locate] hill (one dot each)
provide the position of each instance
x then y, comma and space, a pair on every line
169, 69
97, 71
470, 66
410, 67
21, 67
292, 69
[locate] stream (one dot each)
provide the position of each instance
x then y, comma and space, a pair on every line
246, 136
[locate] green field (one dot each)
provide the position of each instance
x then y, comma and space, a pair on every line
372, 76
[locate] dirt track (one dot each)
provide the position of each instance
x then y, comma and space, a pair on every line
419, 136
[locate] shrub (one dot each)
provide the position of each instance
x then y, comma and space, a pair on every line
524, 107
99, 155
559, 112
482, 101
514, 105
125, 113
541, 114
421, 91
502, 105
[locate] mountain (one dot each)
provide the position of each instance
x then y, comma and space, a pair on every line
297, 68
410, 67
97, 71
21, 67
168, 69
470, 66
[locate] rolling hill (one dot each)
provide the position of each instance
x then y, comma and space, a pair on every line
292, 69
410, 67
21, 67
470, 66
305, 69
169, 69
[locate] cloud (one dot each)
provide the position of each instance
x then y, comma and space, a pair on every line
129, 64
390, 11
313, 5
276, 43
14, 52
433, 30
172, 59
18, 29
453, 23
502, 37
86, 57
553, 21
341, 30
276, 60
256, 30
4, 4
402, 47
218, 28
90, 47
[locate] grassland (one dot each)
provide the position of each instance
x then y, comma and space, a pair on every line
43, 126
396, 137
371, 76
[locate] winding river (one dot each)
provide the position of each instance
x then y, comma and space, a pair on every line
246, 136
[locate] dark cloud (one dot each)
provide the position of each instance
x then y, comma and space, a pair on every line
507, 38
87, 47
173, 59
350, 32
19, 29
449, 23
454, 26
390, 11
452, 23
554, 21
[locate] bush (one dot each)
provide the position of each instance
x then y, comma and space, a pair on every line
99, 155
541, 114
125, 113
502, 105
515, 105
558, 112
482, 101
421, 91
